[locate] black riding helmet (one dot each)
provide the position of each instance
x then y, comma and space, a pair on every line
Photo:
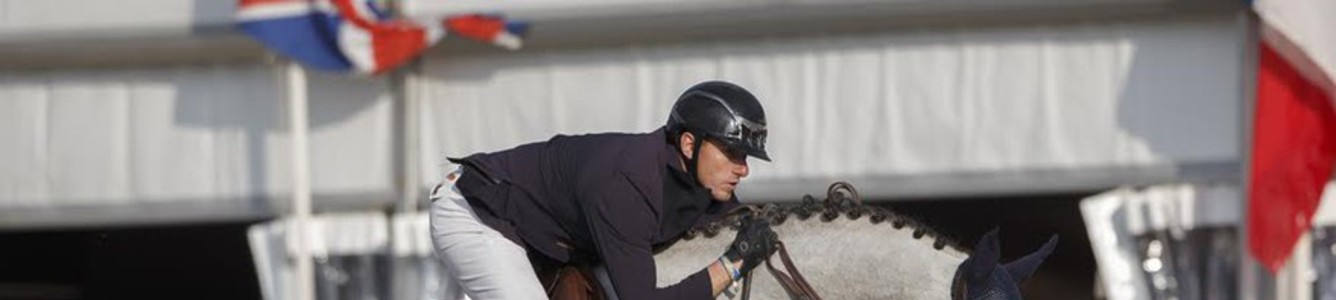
721, 111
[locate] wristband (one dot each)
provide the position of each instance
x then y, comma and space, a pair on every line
733, 273
733, 290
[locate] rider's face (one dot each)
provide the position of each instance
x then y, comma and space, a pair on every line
717, 168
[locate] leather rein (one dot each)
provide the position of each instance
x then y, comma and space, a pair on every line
791, 280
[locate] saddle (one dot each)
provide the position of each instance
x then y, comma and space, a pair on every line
572, 282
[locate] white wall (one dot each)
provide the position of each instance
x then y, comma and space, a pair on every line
181, 144
144, 132
933, 112
48, 20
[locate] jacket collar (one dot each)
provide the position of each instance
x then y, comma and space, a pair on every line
642, 164
647, 163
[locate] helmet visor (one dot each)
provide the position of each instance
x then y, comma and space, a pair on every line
748, 139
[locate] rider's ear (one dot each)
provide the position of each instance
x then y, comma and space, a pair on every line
686, 143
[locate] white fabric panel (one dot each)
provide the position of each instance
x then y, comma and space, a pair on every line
1176, 207
1114, 247
413, 270
352, 146
1116, 218
346, 234
89, 122
1326, 209
273, 267
22, 20
412, 235
764, 11
1305, 25
183, 144
23, 123
961, 105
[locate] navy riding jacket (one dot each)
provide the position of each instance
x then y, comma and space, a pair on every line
609, 198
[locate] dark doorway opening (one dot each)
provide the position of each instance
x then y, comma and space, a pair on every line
210, 261
1024, 223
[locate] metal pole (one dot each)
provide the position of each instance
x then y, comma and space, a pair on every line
301, 182
405, 100
1255, 282
404, 87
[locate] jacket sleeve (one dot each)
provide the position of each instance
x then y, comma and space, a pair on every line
623, 226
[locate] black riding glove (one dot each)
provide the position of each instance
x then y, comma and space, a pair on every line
754, 244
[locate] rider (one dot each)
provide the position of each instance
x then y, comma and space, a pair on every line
607, 199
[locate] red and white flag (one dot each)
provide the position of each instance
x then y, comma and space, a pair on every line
1294, 131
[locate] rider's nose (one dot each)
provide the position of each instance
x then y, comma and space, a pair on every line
743, 169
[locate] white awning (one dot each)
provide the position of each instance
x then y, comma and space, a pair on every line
930, 112
190, 144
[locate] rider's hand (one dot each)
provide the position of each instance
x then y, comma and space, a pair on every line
754, 243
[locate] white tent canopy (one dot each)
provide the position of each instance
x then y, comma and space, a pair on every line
184, 144
637, 13
937, 110
951, 111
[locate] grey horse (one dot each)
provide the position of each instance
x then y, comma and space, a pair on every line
846, 250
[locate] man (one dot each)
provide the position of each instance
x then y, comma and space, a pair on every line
606, 199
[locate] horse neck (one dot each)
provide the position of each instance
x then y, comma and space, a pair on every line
846, 253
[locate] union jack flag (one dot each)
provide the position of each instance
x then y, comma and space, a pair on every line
358, 35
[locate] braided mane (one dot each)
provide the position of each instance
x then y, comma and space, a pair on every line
841, 201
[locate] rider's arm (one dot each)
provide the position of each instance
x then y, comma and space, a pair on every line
719, 277
623, 229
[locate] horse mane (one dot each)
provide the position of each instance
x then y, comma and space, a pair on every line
841, 201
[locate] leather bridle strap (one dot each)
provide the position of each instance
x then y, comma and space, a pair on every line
793, 282
798, 288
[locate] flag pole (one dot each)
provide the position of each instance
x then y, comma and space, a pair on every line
404, 87
301, 181
1255, 281
1250, 273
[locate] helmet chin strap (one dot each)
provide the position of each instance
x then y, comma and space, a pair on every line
695, 156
